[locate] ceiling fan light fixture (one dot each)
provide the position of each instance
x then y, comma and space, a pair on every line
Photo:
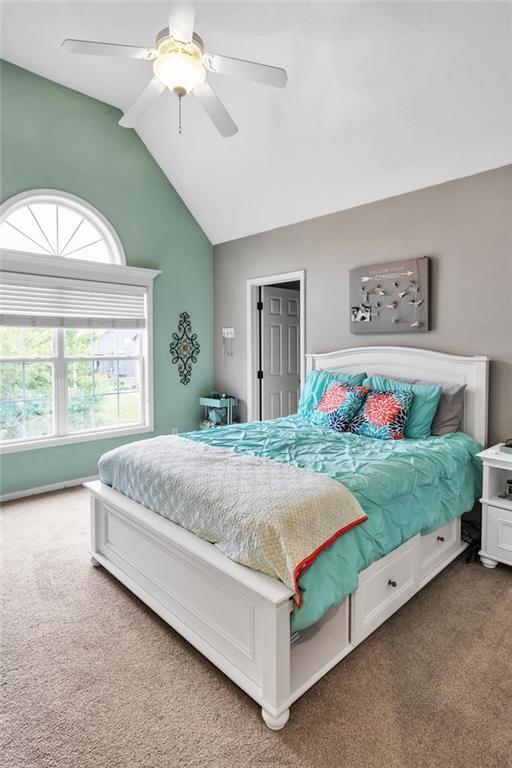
179, 71
183, 65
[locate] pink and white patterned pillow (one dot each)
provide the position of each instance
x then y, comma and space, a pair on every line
338, 406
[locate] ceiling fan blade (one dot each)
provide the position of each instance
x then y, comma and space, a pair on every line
150, 93
248, 70
108, 49
215, 109
181, 21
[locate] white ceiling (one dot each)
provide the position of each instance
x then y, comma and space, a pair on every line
382, 98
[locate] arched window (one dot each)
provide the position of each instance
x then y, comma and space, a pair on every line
75, 326
46, 222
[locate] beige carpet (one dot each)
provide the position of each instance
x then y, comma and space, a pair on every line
92, 678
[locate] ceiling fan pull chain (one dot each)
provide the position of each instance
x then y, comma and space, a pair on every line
179, 102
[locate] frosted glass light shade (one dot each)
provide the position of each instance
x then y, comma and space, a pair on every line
179, 71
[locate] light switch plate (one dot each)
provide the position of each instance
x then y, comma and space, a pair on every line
228, 333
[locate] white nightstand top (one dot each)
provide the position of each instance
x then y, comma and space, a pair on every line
495, 457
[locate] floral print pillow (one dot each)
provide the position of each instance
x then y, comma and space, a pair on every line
316, 384
383, 415
338, 406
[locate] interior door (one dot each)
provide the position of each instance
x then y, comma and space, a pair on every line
280, 352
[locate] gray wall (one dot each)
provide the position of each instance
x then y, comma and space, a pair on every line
465, 226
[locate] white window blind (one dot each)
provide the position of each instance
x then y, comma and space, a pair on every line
58, 302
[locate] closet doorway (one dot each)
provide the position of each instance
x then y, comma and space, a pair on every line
276, 342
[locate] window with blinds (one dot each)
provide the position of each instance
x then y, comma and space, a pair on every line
75, 326
72, 357
55, 302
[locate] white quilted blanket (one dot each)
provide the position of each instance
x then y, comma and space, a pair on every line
269, 516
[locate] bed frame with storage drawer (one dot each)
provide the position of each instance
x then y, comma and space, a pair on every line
239, 618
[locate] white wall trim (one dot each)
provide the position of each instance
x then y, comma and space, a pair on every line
80, 269
53, 441
46, 488
252, 283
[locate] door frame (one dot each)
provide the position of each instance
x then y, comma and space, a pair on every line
253, 283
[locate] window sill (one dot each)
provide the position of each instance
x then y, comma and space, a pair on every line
82, 437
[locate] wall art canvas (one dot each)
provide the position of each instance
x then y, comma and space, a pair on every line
392, 297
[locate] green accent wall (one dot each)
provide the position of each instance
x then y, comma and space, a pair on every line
53, 137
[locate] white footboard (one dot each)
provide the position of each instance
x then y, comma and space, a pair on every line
236, 617
239, 618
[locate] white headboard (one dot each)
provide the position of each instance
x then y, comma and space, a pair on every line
421, 364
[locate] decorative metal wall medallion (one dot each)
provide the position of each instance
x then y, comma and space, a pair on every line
184, 348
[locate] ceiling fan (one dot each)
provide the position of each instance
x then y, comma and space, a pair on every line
181, 64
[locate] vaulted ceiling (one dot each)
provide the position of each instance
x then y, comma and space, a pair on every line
382, 98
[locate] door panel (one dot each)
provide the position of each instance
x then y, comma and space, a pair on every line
275, 337
280, 348
293, 401
275, 305
276, 405
293, 350
293, 307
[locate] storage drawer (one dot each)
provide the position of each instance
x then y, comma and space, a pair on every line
437, 546
383, 588
498, 542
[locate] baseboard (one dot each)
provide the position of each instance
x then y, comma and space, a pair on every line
47, 488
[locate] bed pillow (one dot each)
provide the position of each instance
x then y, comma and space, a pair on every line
450, 410
338, 406
424, 405
383, 415
316, 384
448, 417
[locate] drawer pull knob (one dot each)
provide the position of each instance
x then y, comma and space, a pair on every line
440, 538
391, 583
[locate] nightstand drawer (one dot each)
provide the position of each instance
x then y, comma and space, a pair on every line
383, 588
498, 533
438, 545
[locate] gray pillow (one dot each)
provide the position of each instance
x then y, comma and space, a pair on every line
448, 417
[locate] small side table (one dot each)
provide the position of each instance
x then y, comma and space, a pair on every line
218, 411
496, 511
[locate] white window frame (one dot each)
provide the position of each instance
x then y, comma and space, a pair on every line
82, 207
56, 266
62, 361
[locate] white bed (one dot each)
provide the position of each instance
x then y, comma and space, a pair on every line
239, 618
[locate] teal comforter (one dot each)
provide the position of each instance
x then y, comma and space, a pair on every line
404, 486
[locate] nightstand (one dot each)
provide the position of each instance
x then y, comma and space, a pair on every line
496, 511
